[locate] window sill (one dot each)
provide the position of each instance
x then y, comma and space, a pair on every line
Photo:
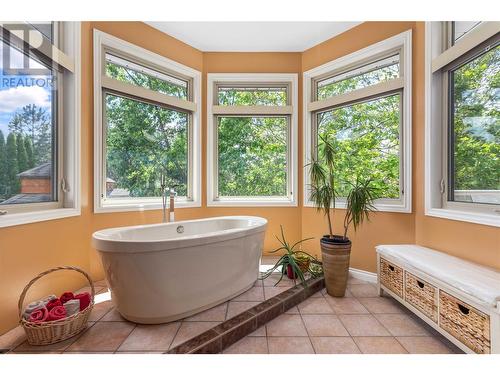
470, 217
380, 207
140, 206
14, 219
228, 202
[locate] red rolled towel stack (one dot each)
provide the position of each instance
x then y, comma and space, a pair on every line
57, 312
39, 315
66, 296
53, 303
84, 299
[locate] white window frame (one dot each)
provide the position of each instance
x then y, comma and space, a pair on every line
290, 110
67, 56
437, 56
385, 48
104, 42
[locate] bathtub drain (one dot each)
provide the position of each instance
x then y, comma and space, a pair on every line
180, 229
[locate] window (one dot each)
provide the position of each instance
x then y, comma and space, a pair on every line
362, 103
252, 135
463, 118
147, 128
39, 126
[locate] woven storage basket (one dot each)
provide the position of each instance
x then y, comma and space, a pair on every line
45, 333
467, 324
391, 276
421, 295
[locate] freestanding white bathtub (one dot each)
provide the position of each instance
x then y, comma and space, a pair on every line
163, 272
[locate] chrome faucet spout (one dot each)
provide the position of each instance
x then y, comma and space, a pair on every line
172, 206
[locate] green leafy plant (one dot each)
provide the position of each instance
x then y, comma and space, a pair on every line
293, 259
361, 193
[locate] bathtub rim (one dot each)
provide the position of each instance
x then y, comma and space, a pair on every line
105, 244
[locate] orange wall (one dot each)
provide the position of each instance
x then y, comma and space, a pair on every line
29, 249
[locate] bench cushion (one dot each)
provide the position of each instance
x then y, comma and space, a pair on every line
472, 279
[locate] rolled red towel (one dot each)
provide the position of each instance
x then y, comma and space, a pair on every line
58, 312
39, 315
51, 304
84, 300
65, 297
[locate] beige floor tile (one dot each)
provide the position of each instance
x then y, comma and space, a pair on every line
261, 331
270, 292
317, 295
234, 308
402, 325
12, 338
424, 345
382, 305
156, 337
334, 345
214, 314
379, 345
47, 352
99, 310
103, 336
315, 306
292, 310
258, 283
188, 330
248, 345
324, 325
363, 290
289, 345
286, 325
363, 325
255, 293
142, 352
346, 305
113, 316
354, 281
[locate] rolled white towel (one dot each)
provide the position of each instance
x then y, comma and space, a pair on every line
72, 307
32, 306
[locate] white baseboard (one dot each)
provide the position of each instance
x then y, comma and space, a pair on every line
363, 275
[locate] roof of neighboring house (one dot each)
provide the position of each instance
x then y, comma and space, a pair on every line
109, 179
118, 193
41, 171
27, 198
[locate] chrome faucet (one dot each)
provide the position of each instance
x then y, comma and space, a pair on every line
171, 208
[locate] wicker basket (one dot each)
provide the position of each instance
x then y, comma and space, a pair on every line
391, 276
45, 333
421, 295
467, 324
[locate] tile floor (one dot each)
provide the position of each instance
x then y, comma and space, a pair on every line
361, 322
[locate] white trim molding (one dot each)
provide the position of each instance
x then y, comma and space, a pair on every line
291, 79
402, 44
435, 115
370, 277
69, 143
104, 42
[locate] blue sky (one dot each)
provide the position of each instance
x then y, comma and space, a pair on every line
17, 91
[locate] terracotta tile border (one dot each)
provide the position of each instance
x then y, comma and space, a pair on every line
218, 338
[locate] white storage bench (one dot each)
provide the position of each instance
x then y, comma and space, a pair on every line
459, 299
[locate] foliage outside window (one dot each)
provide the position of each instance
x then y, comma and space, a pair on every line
147, 128
252, 156
463, 121
361, 103
474, 122
366, 139
251, 132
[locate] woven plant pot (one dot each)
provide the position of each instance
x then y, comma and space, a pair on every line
45, 333
335, 256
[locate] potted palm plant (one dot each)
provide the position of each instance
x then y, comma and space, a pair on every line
336, 249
